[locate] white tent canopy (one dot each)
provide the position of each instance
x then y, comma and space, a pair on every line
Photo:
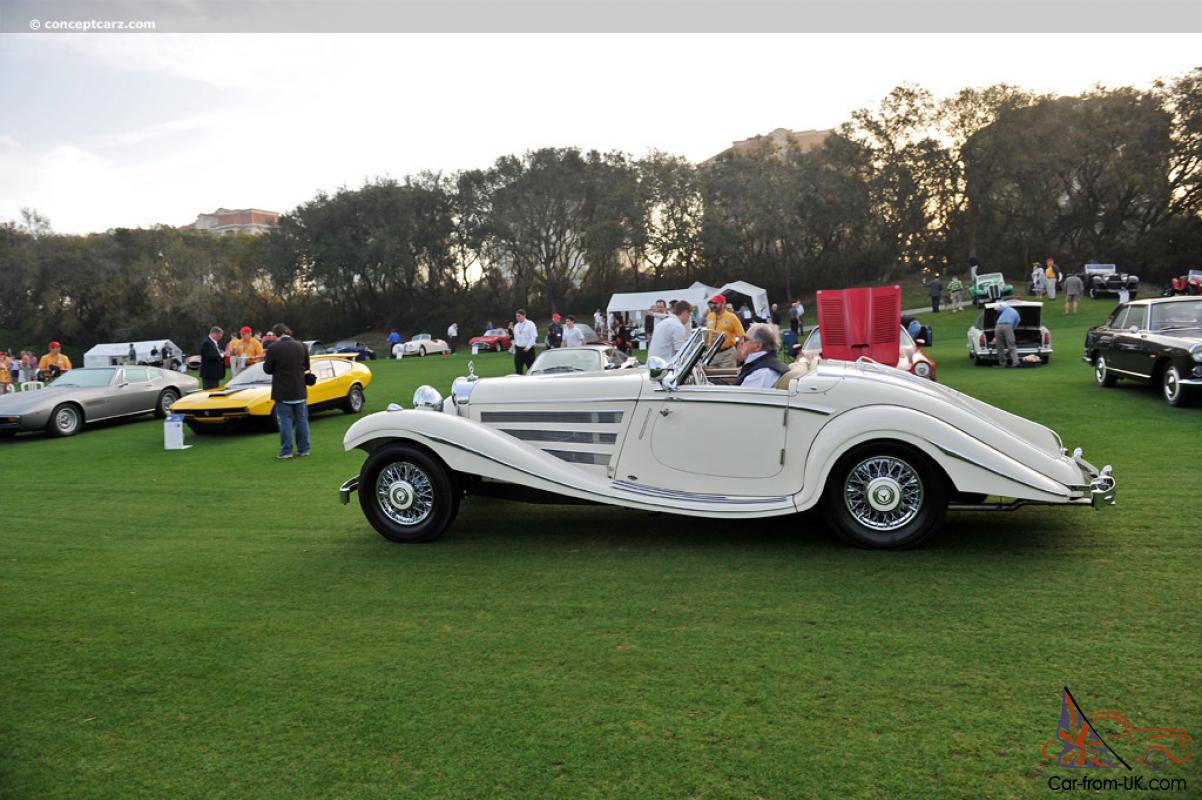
639, 302
696, 294
114, 353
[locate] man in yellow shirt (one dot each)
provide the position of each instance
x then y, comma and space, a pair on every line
721, 319
53, 363
244, 351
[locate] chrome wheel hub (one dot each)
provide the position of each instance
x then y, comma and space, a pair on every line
405, 493
1171, 385
883, 493
65, 420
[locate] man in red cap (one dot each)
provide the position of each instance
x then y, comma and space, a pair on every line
244, 351
53, 363
721, 319
554, 332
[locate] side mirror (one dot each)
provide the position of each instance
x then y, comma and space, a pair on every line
1133, 329
657, 367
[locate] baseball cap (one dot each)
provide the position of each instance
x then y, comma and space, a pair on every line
554, 316
718, 298
54, 345
245, 330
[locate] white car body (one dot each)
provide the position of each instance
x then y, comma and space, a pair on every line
645, 439
423, 345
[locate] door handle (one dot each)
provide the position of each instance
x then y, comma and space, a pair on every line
663, 412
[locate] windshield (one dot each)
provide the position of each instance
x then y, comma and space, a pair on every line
992, 277
1103, 268
1195, 274
1176, 316
569, 360
496, 332
84, 378
421, 337
251, 376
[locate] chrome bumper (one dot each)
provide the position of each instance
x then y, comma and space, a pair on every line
348, 488
1101, 483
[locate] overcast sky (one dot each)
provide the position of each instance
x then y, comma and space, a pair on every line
101, 131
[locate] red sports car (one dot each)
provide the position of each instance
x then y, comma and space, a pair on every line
493, 339
910, 355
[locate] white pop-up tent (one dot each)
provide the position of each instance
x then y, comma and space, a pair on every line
697, 294
638, 302
115, 353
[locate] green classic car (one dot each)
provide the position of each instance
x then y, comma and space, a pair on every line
989, 288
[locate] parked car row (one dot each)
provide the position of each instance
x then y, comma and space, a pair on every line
1156, 341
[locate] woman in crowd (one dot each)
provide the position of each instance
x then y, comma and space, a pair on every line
621, 336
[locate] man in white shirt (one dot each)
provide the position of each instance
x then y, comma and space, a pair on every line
572, 335
525, 334
671, 332
758, 349
599, 322
453, 336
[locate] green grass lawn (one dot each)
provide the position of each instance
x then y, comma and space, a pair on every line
214, 624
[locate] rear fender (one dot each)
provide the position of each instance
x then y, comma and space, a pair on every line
972, 466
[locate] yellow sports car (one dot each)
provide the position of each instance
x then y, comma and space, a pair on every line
247, 398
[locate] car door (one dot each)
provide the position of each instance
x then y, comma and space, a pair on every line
1126, 344
1105, 337
326, 388
125, 394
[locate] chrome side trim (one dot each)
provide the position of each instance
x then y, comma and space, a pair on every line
581, 457
696, 497
679, 396
969, 460
578, 417
559, 401
565, 437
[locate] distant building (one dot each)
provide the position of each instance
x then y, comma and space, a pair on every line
238, 220
778, 141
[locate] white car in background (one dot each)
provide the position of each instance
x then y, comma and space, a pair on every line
423, 345
883, 453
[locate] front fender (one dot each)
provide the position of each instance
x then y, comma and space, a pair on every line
972, 465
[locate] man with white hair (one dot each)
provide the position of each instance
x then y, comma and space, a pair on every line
758, 349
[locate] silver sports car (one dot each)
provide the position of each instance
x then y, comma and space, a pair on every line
90, 395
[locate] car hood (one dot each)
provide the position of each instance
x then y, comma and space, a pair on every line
221, 398
1184, 338
28, 402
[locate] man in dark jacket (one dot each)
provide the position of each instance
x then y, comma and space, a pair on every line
554, 332
761, 368
212, 361
287, 362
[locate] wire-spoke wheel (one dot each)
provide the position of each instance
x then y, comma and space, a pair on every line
407, 494
885, 495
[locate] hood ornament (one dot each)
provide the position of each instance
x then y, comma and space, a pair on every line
471, 371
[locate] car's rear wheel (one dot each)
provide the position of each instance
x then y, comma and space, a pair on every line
166, 398
65, 420
354, 400
407, 495
885, 495
1175, 394
1101, 372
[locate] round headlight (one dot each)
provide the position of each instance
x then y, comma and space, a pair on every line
922, 369
1196, 352
427, 397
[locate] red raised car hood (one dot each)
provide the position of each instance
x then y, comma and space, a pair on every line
860, 322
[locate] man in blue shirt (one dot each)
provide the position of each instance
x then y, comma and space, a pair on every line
1003, 336
394, 339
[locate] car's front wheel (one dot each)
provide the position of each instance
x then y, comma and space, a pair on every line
407, 495
354, 400
885, 495
65, 420
1175, 394
1101, 373
166, 398
421, 352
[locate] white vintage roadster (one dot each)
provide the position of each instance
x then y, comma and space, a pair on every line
883, 453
